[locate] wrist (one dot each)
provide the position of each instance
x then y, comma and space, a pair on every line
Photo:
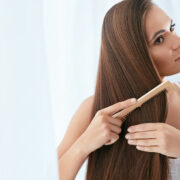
83, 145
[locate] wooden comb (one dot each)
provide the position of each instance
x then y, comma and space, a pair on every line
165, 85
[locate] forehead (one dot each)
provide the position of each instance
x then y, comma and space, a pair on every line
155, 20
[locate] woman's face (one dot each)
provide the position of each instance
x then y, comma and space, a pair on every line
163, 42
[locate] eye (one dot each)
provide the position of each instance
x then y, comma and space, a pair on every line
158, 40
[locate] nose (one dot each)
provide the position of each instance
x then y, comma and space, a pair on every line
176, 42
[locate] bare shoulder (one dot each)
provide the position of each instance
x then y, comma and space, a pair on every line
174, 92
177, 87
177, 95
78, 124
173, 97
86, 105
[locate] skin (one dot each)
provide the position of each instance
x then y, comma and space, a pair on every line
161, 138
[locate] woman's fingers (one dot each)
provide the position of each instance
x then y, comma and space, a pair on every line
110, 110
142, 135
113, 139
144, 127
115, 121
148, 149
115, 129
147, 142
111, 124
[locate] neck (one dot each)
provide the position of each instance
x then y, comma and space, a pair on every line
162, 78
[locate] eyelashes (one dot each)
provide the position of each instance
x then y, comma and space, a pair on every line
172, 26
171, 29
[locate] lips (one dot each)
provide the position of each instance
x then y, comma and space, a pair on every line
178, 59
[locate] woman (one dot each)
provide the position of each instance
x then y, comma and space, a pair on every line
139, 48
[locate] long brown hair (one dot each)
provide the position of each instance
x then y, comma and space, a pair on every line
126, 70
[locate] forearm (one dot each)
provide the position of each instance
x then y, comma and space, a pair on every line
72, 160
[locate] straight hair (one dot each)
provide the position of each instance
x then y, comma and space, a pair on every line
126, 70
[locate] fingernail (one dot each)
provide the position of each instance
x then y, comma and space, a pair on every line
133, 100
129, 129
127, 136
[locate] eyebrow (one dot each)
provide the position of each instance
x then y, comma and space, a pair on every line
159, 32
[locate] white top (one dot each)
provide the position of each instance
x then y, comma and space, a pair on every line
175, 165
174, 168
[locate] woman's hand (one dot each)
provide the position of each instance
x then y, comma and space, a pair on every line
155, 137
104, 129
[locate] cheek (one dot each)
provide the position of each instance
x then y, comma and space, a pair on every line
161, 58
